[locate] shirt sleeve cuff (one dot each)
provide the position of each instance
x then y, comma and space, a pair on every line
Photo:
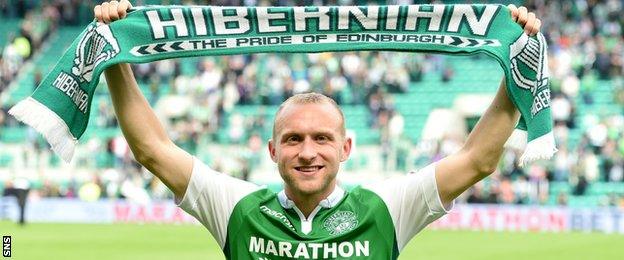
193, 189
430, 191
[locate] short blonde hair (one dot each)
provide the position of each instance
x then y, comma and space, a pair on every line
310, 98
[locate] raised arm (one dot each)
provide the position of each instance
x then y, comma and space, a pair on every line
146, 137
480, 154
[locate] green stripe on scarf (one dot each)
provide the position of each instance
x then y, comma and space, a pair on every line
59, 108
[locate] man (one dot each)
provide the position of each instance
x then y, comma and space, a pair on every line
312, 217
18, 188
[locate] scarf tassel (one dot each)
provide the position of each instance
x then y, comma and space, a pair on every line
47, 123
539, 148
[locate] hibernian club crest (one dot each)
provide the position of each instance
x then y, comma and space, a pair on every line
340, 222
97, 45
529, 66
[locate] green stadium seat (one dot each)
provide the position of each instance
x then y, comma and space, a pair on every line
8, 27
13, 134
5, 160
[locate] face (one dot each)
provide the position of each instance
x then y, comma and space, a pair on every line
308, 148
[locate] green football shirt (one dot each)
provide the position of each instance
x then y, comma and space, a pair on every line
368, 222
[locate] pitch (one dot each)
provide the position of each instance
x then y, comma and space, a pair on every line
135, 241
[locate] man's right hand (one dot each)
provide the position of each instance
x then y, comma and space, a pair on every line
108, 12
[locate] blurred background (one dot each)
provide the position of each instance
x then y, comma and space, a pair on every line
404, 110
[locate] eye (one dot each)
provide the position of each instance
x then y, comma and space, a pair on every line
322, 138
293, 139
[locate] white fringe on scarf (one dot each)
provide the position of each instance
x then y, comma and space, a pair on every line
542, 147
31, 112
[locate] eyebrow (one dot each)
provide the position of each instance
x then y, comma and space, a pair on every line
288, 133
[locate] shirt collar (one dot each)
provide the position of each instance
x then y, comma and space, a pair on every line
329, 202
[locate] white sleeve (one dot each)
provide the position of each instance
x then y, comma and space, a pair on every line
413, 202
211, 196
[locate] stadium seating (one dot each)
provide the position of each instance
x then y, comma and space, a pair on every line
8, 27
42, 62
472, 75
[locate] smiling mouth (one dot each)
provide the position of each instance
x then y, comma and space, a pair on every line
309, 169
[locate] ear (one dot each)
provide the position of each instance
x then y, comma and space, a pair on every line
346, 149
272, 151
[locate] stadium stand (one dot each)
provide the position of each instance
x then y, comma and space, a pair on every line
387, 97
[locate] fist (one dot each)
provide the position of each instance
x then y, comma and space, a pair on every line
526, 19
108, 12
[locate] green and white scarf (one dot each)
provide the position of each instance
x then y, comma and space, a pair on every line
59, 108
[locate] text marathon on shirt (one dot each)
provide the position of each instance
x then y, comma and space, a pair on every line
302, 250
242, 22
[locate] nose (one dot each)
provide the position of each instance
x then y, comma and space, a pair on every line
308, 151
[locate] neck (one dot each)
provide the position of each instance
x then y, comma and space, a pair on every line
306, 203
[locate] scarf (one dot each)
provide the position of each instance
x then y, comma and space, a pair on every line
60, 107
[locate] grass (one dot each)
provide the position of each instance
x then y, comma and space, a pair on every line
132, 241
